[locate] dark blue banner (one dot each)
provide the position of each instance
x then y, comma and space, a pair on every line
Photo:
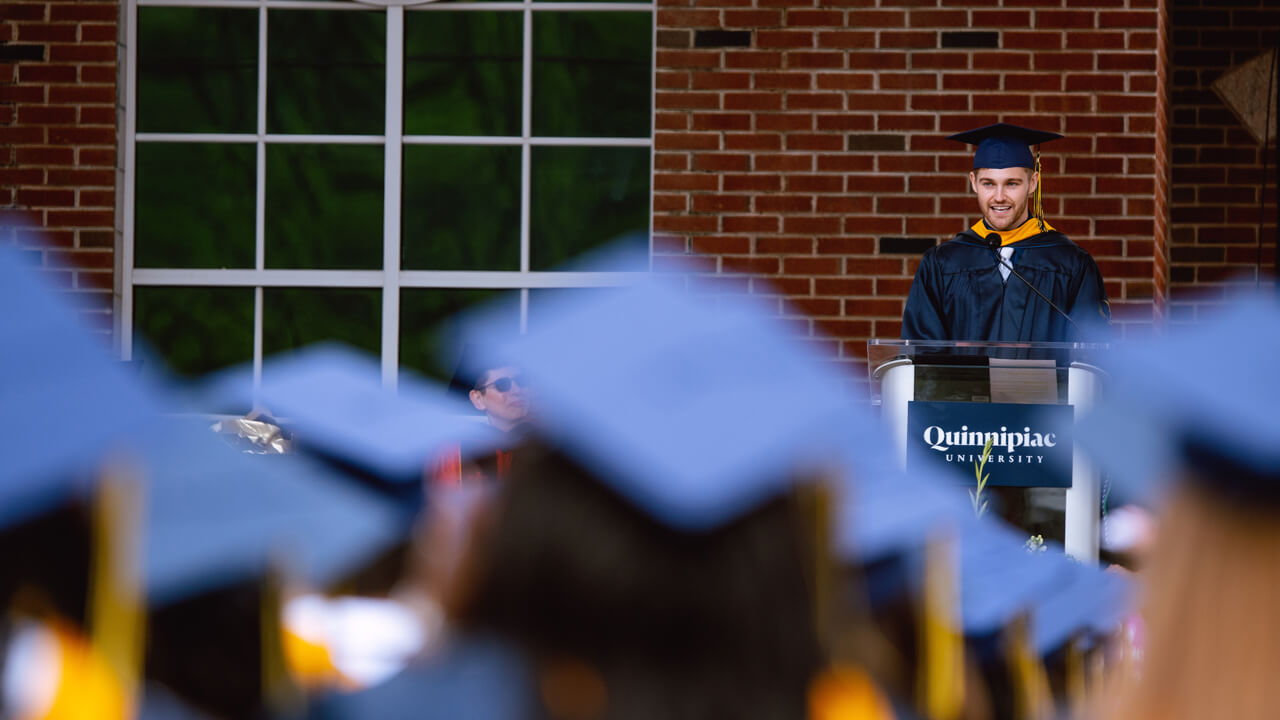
1031, 444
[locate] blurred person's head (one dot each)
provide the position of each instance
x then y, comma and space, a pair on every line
501, 393
638, 619
654, 549
1202, 445
1212, 631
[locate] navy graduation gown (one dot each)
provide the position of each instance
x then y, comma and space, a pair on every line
959, 294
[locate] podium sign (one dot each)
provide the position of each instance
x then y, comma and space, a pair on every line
1031, 443
1050, 487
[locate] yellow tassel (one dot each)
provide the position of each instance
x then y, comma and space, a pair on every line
116, 614
1030, 681
1077, 684
89, 688
819, 510
281, 693
940, 682
1037, 203
311, 664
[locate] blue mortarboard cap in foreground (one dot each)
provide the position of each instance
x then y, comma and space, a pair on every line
884, 509
1003, 145
1202, 398
1086, 602
215, 516
66, 401
693, 408
884, 517
333, 398
999, 579
1117, 598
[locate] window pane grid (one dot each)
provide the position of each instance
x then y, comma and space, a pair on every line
271, 281
271, 139
352, 5
513, 280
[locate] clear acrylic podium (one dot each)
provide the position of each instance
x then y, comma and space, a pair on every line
962, 372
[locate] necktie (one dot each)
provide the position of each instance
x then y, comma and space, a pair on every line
1006, 252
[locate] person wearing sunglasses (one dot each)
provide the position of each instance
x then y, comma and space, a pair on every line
501, 393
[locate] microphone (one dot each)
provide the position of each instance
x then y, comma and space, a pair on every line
993, 244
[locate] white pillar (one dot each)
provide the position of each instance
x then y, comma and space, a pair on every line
1084, 497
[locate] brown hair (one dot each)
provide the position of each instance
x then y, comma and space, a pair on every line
1212, 614
664, 624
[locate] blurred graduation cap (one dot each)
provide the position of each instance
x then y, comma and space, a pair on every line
214, 515
999, 579
1086, 602
333, 398
69, 410
225, 533
1203, 399
694, 409
885, 510
218, 536
213, 519
67, 401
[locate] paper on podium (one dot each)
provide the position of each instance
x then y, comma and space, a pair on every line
1023, 381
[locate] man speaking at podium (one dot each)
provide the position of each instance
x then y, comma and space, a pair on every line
1010, 277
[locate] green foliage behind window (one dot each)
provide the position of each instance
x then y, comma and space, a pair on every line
197, 69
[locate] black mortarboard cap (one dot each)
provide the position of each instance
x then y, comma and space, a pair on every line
1003, 145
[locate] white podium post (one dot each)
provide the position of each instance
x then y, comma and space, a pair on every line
1084, 497
897, 388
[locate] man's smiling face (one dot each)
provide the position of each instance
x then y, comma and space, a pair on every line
1003, 195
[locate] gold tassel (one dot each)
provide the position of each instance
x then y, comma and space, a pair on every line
1030, 681
815, 507
1076, 679
940, 678
1037, 202
281, 694
117, 618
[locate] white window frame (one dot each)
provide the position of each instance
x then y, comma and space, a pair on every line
391, 278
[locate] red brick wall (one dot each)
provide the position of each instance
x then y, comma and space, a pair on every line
804, 145
58, 141
801, 144
1217, 165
